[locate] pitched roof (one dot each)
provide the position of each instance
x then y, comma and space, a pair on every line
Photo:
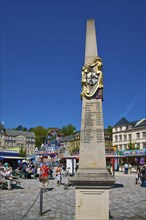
137, 123
66, 138
141, 123
123, 121
27, 134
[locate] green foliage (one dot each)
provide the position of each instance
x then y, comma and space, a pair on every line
22, 152
40, 134
131, 146
109, 130
68, 130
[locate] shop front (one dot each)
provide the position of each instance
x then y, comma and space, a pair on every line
133, 158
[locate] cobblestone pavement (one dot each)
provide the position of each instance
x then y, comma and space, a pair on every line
127, 201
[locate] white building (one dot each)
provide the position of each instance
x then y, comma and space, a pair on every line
125, 132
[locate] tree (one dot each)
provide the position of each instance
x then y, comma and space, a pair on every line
40, 134
131, 146
22, 152
68, 130
109, 130
21, 128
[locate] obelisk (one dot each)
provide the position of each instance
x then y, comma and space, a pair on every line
92, 180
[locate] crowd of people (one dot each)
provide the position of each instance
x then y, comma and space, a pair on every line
140, 174
28, 169
44, 172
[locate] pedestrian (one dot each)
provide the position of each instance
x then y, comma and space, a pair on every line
139, 172
77, 166
51, 173
37, 171
58, 175
136, 177
130, 168
126, 168
143, 176
44, 175
138, 168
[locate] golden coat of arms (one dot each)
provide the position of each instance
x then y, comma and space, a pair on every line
92, 80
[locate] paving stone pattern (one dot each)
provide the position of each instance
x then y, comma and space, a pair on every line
127, 201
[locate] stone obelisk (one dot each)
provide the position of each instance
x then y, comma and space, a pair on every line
92, 180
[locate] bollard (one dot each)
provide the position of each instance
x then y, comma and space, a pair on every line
41, 201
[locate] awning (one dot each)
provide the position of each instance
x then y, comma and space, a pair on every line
9, 157
14, 149
114, 156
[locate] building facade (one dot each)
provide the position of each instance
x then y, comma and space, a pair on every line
10, 139
72, 143
126, 133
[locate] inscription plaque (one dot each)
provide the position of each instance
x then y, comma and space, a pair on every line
92, 122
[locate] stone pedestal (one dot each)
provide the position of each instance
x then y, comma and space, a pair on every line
92, 204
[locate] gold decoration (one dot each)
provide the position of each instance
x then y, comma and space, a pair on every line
92, 78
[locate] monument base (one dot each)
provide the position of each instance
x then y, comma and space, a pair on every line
92, 204
97, 178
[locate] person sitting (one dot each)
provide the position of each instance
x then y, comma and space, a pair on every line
28, 172
4, 179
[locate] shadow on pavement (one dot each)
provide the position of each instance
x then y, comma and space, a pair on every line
118, 185
14, 186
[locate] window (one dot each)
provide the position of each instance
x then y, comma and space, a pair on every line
120, 137
125, 137
144, 134
130, 137
138, 145
125, 146
138, 135
120, 128
144, 145
116, 138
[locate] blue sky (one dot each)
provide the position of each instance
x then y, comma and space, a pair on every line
42, 53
